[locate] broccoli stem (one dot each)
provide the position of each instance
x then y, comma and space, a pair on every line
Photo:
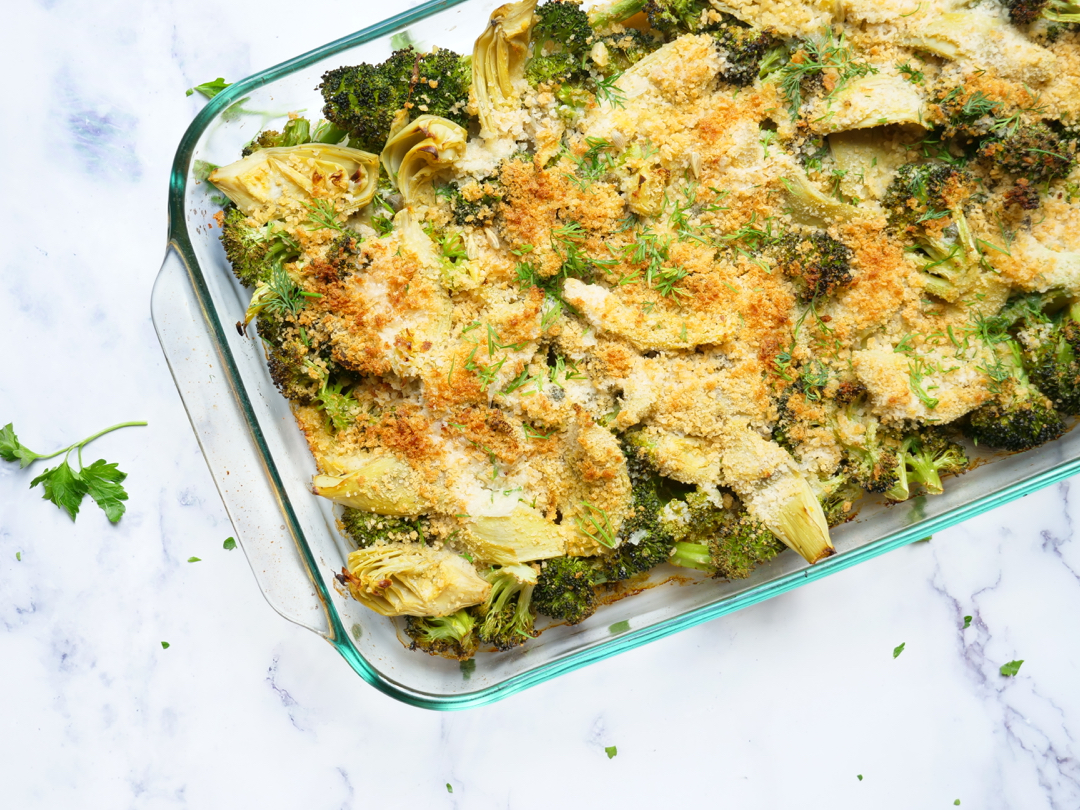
693, 555
615, 13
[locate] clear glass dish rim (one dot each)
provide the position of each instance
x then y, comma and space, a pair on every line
179, 240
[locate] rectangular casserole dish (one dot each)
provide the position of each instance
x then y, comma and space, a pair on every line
262, 466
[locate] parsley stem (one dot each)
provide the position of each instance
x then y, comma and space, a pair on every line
97, 435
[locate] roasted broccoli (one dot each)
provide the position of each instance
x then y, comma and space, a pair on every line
1018, 416
1025, 12
294, 133
472, 203
365, 99
254, 250
925, 202
625, 49
673, 18
744, 51
561, 39
366, 528
927, 454
507, 615
643, 542
1035, 152
816, 263
452, 636
1047, 326
566, 589
721, 540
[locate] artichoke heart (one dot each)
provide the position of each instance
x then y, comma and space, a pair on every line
407, 579
417, 153
383, 485
499, 57
519, 537
290, 176
873, 101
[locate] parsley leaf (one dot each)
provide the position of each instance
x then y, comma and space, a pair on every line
611, 751
62, 486
103, 484
897, 650
164, 645
449, 788
209, 89
65, 486
194, 559
1011, 668
229, 544
858, 776
967, 622
11, 449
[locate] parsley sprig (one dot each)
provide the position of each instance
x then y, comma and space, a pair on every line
66, 486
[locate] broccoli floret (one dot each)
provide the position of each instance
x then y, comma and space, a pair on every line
928, 454
1052, 357
838, 494
474, 203
870, 451
673, 18
1019, 416
625, 49
1025, 12
816, 263
561, 39
643, 542
565, 589
253, 251
297, 131
365, 99
450, 636
1035, 152
366, 528
744, 49
925, 202
507, 615
724, 542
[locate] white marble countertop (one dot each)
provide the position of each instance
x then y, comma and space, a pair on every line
785, 704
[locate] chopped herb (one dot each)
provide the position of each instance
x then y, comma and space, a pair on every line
619, 627
65, 486
164, 645
858, 776
897, 650
1011, 668
449, 788
957, 802
967, 622
209, 89
18, 556
194, 559
323, 216
229, 544
611, 751
468, 668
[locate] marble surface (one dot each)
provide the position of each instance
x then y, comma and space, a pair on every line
781, 705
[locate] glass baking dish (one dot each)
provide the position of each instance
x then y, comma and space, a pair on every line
262, 467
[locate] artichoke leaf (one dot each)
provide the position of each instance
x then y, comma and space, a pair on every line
291, 176
809, 206
383, 485
872, 101
408, 579
499, 57
418, 152
519, 537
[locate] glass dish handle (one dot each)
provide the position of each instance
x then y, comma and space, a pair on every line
204, 379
